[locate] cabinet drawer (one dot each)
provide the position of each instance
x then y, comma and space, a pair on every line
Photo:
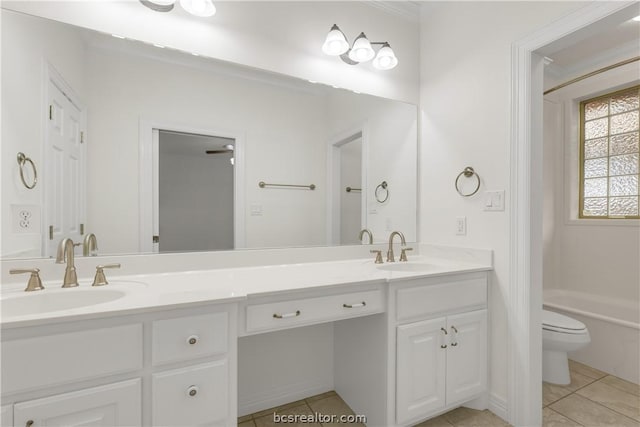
116, 404
196, 395
462, 293
50, 360
293, 313
189, 337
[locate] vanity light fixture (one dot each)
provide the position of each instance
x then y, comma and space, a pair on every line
159, 5
336, 44
637, 18
202, 8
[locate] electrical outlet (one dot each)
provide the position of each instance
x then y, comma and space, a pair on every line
25, 218
461, 225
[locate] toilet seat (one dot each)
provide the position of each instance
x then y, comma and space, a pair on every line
556, 322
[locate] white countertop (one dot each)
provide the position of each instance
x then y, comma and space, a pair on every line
149, 292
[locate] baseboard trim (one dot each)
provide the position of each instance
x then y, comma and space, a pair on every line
279, 396
498, 405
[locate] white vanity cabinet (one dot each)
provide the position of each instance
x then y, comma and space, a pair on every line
199, 393
172, 367
117, 404
441, 361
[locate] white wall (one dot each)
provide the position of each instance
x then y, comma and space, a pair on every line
465, 101
284, 136
284, 37
195, 195
26, 47
599, 257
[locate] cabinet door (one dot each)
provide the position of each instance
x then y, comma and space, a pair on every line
420, 376
108, 406
466, 355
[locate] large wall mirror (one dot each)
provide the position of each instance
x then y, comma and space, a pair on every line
158, 150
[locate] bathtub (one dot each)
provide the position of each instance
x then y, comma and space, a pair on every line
614, 326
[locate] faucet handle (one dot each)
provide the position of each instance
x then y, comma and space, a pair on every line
378, 256
403, 254
101, 279
34, 284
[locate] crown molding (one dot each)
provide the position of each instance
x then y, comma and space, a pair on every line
408, 10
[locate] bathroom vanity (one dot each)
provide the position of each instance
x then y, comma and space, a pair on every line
409, 343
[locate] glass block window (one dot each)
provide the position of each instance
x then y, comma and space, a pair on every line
609, 155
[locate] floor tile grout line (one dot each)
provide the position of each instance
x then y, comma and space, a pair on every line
611, 409
619, 388
567, 417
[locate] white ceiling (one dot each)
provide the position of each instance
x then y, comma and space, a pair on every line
618, 39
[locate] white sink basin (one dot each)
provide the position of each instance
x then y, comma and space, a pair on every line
47, 301
415, 267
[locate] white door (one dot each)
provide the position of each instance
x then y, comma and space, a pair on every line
6, 416
421, 369
111, 405
64, 186
466, 355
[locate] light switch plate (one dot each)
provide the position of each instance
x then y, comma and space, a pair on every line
494, 200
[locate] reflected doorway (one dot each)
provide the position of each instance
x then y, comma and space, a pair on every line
194, 209
351, 191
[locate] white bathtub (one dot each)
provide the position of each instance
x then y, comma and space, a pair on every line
614, 326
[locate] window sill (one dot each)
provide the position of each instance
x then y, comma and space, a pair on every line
604, 222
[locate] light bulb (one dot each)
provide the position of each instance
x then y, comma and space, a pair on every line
361, 50
386, 59
202, 8
335, 43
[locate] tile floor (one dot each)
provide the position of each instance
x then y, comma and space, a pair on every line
593, 399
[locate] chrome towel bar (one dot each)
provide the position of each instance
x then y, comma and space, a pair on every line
263, 184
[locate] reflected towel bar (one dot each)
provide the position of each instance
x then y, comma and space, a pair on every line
263, 184
355, 190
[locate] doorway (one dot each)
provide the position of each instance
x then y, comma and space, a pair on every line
195, 202
347, 182
195, 192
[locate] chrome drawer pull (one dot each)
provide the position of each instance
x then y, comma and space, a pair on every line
192, 390
29, 423
455, 343
193, 339
287, 315
360, 304
445, 333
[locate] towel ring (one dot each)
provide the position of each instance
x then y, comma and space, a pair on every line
468, 172
22, 160
383, 185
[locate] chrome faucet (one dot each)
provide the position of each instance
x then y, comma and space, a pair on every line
403, 242
90, 245
65, 254
361, 235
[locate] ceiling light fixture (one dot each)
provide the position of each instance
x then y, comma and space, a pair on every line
202, 8
159, 5
336, 44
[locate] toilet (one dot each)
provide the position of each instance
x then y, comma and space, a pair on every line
560, 335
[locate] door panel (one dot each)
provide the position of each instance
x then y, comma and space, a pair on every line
467, 355
64, 185
421, 368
